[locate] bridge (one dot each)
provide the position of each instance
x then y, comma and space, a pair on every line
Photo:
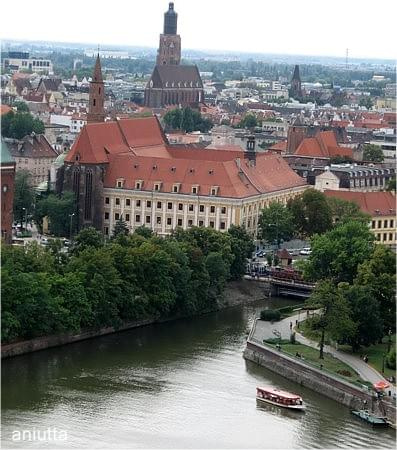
285, 287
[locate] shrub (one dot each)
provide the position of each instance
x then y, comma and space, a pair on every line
292, 338
270, 314
391, 359
345, 373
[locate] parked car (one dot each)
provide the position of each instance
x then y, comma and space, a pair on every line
260, 254
305, 251
44, 241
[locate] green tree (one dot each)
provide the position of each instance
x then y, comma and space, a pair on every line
57, 209
276, 223
21, 106
144, 231
337, 253
391, 184
23, 196
242, 247
249, 121
378, 275
373, 153
20, 124
187, 123
173, 118
87, 237
311, 212
366, 101
120, 228
343, 211
335, 315
217, 270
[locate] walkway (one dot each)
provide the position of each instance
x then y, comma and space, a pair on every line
264, 330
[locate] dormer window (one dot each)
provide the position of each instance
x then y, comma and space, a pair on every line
214, 190
120, 183
176, 187
138, 184
195, 189
157, 186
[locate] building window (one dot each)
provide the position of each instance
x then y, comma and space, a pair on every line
249, 223
373, 224
379, 224
117, 216
390, 236
391, 223
212, 209
377, 236
195, 190
158, 205
385, 236
107, 201
149, 204
137, 218
169, 205
106, 231
117, 201
385, 224
147, 219
127, 202
158, 220
212, 224
223, 210
138, 203
190, 223
106, 216
127, 217
201, 208
201, 223
179, 222
223, 225
169, 221
157, 187
180, 206
119, 184
175, 188
138, 185
191, 207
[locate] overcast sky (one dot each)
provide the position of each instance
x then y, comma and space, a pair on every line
306, 27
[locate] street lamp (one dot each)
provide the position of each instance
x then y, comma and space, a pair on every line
26, 218
71, 222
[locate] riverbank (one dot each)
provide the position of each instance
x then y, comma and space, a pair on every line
315, 378
235, 293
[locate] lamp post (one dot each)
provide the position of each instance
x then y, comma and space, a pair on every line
71, 222
26, 219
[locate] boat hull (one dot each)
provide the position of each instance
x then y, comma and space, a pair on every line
291, 407
371, 419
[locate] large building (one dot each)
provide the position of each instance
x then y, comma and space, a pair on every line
380, 206
7, 192
16, 61
172, 83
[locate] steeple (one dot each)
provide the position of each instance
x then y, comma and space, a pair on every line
96, 111
169, 52
296, 85
296, 75
170, 20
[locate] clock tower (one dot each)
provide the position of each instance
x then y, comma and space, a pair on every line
169, 52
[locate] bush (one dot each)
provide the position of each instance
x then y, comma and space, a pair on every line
286, 309
391, 359
345, 373
292, 338
270, 315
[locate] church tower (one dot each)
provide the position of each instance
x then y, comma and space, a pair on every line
296, 84
96, 111
169, 52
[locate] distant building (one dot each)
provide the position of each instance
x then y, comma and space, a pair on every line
7, 192
34, 154
296, 84
380, 206
172, 83
16, 61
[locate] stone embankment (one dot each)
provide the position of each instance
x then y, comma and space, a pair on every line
318, 380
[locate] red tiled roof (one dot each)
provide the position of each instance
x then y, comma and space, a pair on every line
282, 145
284, 254
324, 145
372, 203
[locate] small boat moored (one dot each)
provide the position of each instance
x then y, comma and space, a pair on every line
370, 418
280, 398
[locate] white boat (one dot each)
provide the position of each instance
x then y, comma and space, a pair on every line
280, 398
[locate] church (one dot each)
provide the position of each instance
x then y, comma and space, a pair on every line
172, 83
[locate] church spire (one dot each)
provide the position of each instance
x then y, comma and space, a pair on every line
96, 111
169, 52
170, 20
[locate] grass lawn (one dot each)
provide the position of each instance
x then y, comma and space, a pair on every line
375, 355
329, 363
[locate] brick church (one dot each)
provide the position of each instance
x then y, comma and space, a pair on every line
172, 83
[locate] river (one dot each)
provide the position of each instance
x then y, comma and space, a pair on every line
182, 384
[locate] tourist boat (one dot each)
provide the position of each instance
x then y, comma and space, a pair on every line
370, 418
280, 398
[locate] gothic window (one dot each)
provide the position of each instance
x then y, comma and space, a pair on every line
88, 195
94, 102
99, 91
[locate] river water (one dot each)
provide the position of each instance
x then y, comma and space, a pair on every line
182, 384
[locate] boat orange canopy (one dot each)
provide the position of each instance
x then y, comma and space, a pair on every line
381, 385
279, 393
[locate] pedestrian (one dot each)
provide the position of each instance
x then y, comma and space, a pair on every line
296, 322
290, 325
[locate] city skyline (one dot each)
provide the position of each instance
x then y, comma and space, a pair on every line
295, 30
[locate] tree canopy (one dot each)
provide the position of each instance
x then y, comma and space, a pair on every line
58, 209
23, 196
187, 119
373, 153
276, 223
20, 124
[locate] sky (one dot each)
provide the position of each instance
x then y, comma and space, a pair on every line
302, 27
